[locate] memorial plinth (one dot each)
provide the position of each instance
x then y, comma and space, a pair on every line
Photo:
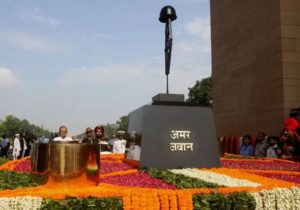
175, 134
63, 161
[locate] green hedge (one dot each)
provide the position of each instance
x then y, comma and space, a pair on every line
90, 203
3, 160
215, 201
13, 180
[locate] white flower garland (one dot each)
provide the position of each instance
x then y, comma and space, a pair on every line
216, 178
278, 198
258, 200
20, 203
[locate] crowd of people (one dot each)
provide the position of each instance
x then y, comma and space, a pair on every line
22, 143
18, 148
286, 146
118, 145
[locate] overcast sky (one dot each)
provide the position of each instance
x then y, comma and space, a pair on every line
84, 63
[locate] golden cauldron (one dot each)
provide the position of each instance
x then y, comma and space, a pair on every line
64, 161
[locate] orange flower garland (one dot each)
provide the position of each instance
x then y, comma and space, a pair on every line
144, 198
119, 173
272, 171
266, 183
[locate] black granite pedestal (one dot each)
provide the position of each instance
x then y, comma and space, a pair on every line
175, 134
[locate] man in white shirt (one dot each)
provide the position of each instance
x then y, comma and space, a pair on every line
120, 143
63, 131
19, 147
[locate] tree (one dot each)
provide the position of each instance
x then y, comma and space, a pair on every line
201, 93
123, 122
109, 130
24, 126
3, 130
12, 125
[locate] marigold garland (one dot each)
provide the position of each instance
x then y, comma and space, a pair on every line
271, 171
117, 173
153, 198
289, 176
267, 183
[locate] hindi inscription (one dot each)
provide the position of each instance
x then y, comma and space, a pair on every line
181, 146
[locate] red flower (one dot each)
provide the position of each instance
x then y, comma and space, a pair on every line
261, 164
139, 179
108, 167
24, 166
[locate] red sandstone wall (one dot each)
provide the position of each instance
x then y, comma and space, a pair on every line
247, 66
290, 37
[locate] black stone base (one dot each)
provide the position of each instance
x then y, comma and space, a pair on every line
175, 136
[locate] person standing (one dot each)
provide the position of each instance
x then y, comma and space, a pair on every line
23, 145
120, 144
63, 132
89, 139
104, 146
19, 147
4, 145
